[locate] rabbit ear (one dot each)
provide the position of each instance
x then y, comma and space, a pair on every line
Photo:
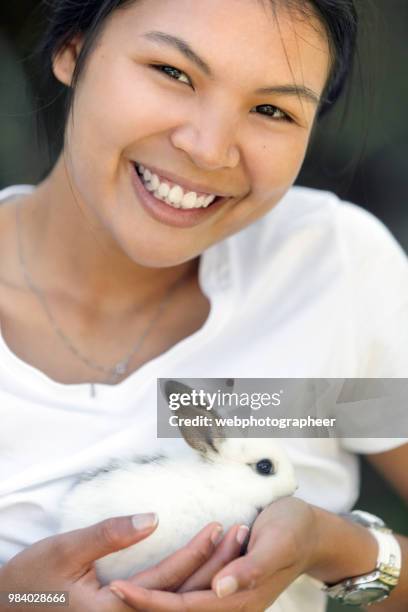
202, 438
179, 388
175, 386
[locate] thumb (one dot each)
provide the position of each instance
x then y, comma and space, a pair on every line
242, 573
76, 550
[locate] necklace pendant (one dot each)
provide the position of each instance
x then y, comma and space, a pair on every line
120, 368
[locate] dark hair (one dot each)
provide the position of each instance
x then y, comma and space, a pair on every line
67, 18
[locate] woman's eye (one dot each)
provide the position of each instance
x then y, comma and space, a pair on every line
273, 112
173, 73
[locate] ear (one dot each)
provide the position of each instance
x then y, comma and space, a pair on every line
174, 386
64, 62
203, 437
206, 436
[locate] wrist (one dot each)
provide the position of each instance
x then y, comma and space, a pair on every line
342, 548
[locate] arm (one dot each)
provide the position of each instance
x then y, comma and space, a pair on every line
393, 466
347, 550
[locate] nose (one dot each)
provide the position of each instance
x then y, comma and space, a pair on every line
209, 140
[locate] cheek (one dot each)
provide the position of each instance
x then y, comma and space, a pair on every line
273, 163
276, 160
116, 107
121, 105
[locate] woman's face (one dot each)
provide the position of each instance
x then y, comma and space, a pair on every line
188, 94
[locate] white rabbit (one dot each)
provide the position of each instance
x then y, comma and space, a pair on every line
229, 480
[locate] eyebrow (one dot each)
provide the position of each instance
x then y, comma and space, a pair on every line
291, 90
181, 45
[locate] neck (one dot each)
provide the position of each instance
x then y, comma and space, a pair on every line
69, 249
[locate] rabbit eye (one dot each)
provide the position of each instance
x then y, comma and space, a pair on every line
265, 467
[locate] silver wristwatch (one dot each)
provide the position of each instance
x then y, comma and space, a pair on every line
377, 585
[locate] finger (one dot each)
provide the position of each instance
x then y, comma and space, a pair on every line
99, 599
162, 601
75, 551
228, 549
175, 569
267, 556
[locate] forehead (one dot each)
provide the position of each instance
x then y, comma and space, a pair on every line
252, 40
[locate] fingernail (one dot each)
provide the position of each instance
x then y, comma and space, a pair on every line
242, 534
116, 592
145, 521
216, 535
226, 586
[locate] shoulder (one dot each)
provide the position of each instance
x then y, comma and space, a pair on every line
8, 196
13, 304
303, 207
322, 251
316, 222
14, 191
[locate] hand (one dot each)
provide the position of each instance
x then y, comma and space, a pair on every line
66, 563
283, 544
193, 566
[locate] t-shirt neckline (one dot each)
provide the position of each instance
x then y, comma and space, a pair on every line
216, 281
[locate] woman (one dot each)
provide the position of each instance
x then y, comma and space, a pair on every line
168, 241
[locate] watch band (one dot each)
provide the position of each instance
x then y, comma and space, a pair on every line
389, 556
377, 585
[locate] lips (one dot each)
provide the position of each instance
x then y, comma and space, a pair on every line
173, 194
166, 214
187, 185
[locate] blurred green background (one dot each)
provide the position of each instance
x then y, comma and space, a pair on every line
359, 151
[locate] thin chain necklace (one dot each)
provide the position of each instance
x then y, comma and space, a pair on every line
121, 367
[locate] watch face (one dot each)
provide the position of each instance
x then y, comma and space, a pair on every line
359, 597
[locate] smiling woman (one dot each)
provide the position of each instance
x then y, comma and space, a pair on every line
168, 240
164, 62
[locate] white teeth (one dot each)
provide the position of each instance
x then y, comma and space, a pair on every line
189, 200
164, 190
155, 182
174, 196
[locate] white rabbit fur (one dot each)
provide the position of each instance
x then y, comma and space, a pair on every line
218, 482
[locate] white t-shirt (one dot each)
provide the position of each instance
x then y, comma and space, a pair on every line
316, 288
